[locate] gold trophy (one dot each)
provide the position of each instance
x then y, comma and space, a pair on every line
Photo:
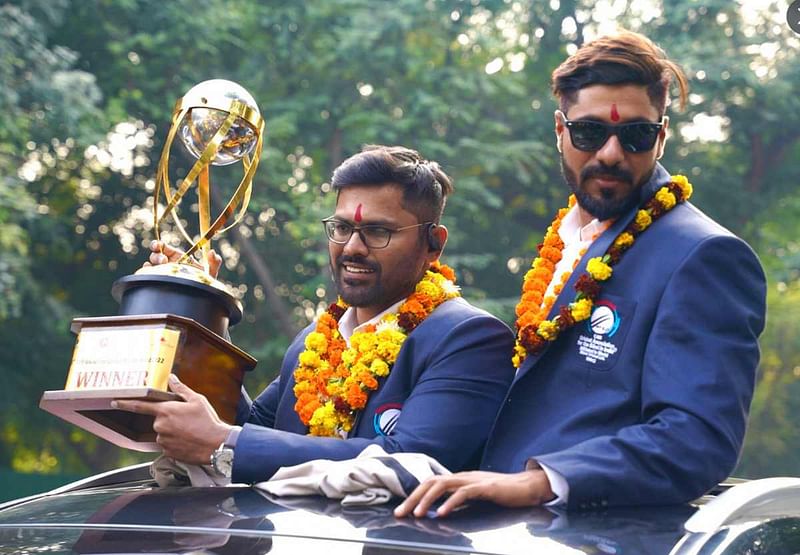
174, 317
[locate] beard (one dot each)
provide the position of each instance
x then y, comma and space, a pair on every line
358, 293
607, 205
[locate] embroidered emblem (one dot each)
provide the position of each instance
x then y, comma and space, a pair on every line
602, 325
386, 417
604, 319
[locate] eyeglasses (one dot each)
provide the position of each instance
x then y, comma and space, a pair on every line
590, 136
373, 236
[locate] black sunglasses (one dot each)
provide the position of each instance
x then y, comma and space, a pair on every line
589, 136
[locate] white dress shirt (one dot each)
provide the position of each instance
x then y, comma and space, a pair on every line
576, 240
348, 325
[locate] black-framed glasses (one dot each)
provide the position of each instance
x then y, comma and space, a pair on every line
635, 137
373, 236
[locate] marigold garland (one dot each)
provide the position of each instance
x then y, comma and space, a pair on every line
333, 381
533, 328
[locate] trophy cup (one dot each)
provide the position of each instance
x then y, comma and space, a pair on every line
174, 317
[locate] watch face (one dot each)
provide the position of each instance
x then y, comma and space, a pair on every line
223, 461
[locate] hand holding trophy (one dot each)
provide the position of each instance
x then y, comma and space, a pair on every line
174, 316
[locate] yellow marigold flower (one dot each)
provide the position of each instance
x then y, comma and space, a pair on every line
665, 198
388, 351
324, 416
429, 290
624, 240
519, 355
316, 342
348, 356
361, 342
581, 309
598, 269
379, 368
359, 367
309, 358
643, 220
548, 330
683, 183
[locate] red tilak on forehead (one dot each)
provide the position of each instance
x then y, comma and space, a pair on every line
357, 215
614, 113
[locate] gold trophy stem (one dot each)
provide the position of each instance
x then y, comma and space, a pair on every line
203, 191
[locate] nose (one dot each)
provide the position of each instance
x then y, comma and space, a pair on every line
355, 245
611, 153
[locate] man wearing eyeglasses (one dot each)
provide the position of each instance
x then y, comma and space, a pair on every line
636, 368
403, 362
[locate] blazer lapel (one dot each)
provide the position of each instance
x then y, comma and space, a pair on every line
597, 248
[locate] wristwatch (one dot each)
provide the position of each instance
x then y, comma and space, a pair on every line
222, 460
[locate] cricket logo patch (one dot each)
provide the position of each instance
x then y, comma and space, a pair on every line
386, 417
603, 324
604, 319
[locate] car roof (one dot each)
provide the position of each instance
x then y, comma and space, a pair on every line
100, 516
124, 511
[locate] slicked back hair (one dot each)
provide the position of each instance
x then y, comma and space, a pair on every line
425, 186
626, 58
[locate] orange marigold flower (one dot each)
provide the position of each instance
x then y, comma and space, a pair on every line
356, 398
542, 274
533, 297
551, 254
540, 262
553, 240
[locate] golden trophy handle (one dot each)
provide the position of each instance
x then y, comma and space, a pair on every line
200, 172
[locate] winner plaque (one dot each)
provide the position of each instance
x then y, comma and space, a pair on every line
174, 317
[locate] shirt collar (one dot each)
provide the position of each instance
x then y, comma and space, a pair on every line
348, 326
571, 230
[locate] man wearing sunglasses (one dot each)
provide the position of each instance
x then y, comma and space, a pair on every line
402, 362
634, 386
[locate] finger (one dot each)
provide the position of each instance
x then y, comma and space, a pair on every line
156, 246
140, 407
214, 263
431, 496
405, 508
457, 499
177, 386
170, 251
157, 258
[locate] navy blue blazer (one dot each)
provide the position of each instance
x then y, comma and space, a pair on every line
440, 398
646, 402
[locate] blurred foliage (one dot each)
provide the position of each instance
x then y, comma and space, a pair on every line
86, 92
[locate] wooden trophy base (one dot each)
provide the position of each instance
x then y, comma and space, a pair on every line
131, 357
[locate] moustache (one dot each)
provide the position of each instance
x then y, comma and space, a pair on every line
341, 260
601, 170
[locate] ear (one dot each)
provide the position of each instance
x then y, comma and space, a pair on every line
440, 232
662, 138
559, 127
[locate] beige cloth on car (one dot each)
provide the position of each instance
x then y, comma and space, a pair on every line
372, 478
167, 472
